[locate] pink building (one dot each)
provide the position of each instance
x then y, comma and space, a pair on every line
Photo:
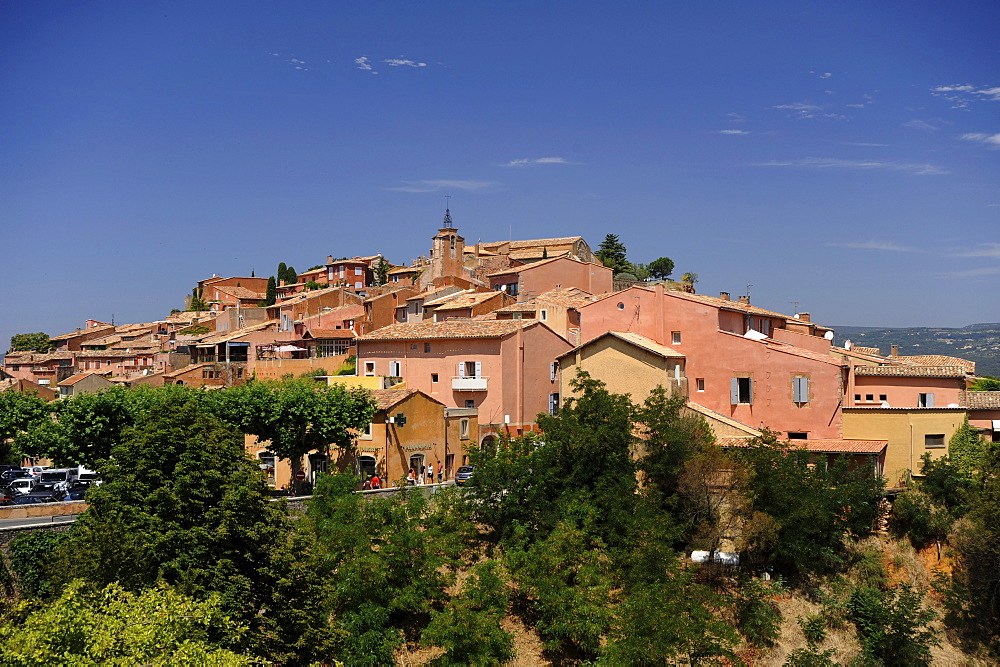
529, 281
505, 369
735, 364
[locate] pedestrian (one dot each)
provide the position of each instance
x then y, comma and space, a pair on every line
367, 486
430, 474
423, 469
411, 478
440, 472
376, 482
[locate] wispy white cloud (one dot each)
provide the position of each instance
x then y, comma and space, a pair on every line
402, 62
436, 186
825, 75
365, 64
917, 124
855, 106
860, 165
734, 132
528, 162
808, 110
873, 244
991, 140
961, 95
972, 273
735, 117
983, 250
865, 143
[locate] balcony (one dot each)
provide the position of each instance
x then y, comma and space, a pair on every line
469, 384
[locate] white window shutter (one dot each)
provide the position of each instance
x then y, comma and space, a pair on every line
930, 401
552, 371
461, 369
479, 369
734, 391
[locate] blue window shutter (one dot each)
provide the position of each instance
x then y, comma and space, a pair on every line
734, 391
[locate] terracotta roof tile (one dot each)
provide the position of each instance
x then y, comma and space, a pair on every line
386, 398
911, 371
866, 350
242, 293
829, 446
69, 336
447, 329
530, 243
467, 300
936, 360
73, 379
519, 269
982, 400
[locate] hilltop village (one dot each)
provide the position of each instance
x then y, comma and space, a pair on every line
473, 341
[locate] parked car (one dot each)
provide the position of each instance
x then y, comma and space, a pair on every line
21, 486
35, 471
463, 475
55, 480
76, 493
32, 499
8, 476
83, 477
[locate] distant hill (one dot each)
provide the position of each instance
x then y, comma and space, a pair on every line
977, 342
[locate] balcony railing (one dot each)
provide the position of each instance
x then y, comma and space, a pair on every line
469, 384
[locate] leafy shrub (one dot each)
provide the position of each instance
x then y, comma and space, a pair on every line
30, 555
914, 514
810, 657
893, 625
758, 617
814, 629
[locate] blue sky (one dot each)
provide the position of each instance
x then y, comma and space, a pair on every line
841, 155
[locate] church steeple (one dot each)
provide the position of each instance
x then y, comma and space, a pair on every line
447, 219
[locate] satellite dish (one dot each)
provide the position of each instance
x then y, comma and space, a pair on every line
828, 335
847, 344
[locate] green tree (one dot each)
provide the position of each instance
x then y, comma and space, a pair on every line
967, 449
36, 342
282, 273
291, 276
182, 504
613, 254
985, 383
388, 561
296, 415
893, 625
272, 292
469, 626
661, 268
31, 557
382, 269
814, 507
19, 414
113, 626
197, 303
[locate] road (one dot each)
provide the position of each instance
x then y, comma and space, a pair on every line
34, 521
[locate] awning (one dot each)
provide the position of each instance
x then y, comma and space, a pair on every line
290, 348
996, 424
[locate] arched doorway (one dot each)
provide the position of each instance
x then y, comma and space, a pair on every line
366, 466
417, 463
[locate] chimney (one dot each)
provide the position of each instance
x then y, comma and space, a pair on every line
805, 317
329, 259
894, 351
744, 300
724, 296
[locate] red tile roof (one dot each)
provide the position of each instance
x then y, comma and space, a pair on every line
821, 446
982, 400
447, 329
911, 371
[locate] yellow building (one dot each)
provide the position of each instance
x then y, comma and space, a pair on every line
910, 433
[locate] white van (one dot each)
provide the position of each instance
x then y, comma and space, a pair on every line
21, 486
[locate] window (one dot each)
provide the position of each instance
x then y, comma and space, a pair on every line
463, 429
369, 368
470, 402
700, 383
934, 441
883, 398
925, 400
207, 374
470, 369
869, 397
621, 306
359, 285
395, 369
800, 390
741, 391
413, 346
857, 398
675, 337
427, 348
357, 270
434, 377
543, 314
332, 348
553, 369
797, 435
553, 404
366, 434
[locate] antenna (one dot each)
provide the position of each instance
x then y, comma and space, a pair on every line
748, 292
795, 307
447, 201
